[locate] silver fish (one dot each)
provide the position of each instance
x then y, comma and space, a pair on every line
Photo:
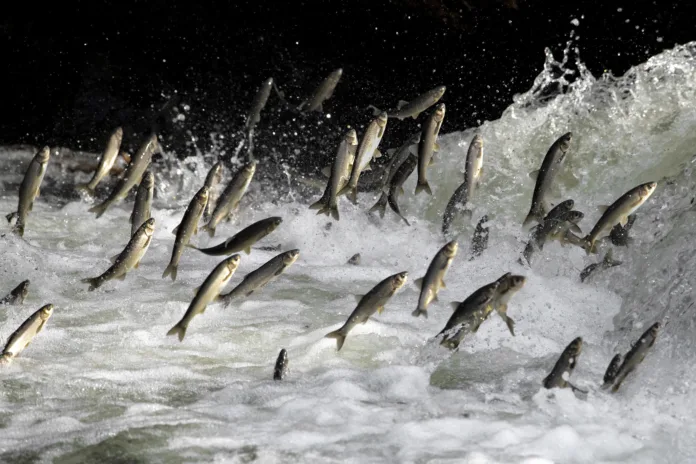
370, 303
545, 176
281, 365
186, 229
142, 208
618, 212
509, 284
258, 104
558, 378
231, 196
340, 174
636, 355
131, 176
22, 337
366, 151
129, 258
468, 315
29, 189
208, 292
419, 104
107, 160
259, 278
426, 147
244, 239
396, 187
472, 178
612, 370
17, 295
211, 181
322, 93
433, 281
392, 167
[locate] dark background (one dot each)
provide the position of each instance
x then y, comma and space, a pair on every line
75, 71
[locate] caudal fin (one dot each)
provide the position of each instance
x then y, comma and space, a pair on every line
93, 283
99, 209
171, 270
320, 204
11, 216
85, 188
531, 217
380, 206
178, 330
588, 245
210, 229
340, 338
420, 312
423, 186
19, 228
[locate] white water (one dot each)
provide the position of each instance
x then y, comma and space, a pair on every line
103, 383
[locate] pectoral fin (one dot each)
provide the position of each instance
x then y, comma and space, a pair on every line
534, 174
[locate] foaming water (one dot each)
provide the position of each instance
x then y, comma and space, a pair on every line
103, 382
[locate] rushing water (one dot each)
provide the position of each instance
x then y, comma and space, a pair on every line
102, 382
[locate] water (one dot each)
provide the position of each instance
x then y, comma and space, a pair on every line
102, 382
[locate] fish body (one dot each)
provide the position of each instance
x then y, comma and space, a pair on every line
392, 168
606, 263
509, 284
366, 151
244, 239
208, 292
558, 378
545, 177
258, 104
426, 147
396, 186
560, 218
29, 189
17, 295
260, 277
186, 229
231, 196
612, 370
129, 258
433, 279
419, 104
618, 213
281, 365
142, 208
340, 174
107, 160
370, 303
636, 355
468, 315
211, 181
472, 178
132, 176
22, 337
322, 93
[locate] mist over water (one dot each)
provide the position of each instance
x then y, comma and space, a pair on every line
103, 382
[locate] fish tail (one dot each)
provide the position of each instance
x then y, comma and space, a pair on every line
380, 206
449, 343
178, 330
19, 228
375, 111
6, 359
320, 205
423, 186
85, 188
99, 209
420, 312
334, 212
11, 216
340, 338
210, 229
532, 216
171, 270
353, 195
588, 245
93, 283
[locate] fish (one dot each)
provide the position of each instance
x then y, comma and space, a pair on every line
606, 263
258, 104
558, 378
472, 178
354, 260
479, 242
433, 280
143, 202
545, 176
373, 301
618, 212
401, 154
244, 239
23, 336
207, 293
281, 365
426, 147
211, 181
636, 355
17, 295
560, 218
322, 93
619, 234
419, 104
339, 176
231, 196
259, 278
131, 177
106, 162
468, 315
509, 284
366, 151
29, 189
186, 229
128, 259
612, 370
396, 187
